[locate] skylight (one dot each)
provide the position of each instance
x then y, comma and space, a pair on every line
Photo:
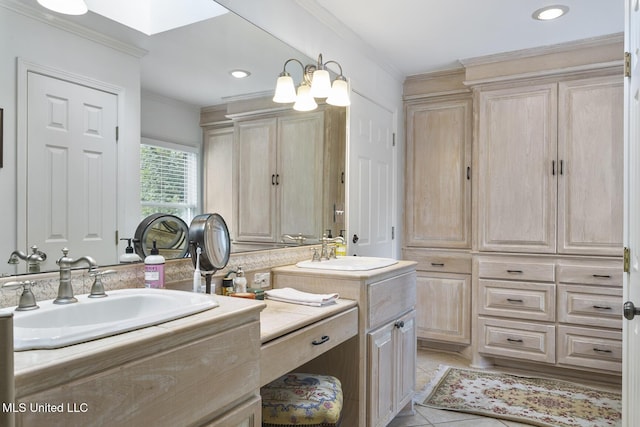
155, 16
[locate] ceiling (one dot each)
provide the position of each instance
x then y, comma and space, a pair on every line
192, 63
417, 36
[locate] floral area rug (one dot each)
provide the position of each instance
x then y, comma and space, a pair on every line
535, 401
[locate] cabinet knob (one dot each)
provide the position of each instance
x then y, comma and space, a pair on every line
399, 324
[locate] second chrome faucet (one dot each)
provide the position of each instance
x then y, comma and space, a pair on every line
65, 290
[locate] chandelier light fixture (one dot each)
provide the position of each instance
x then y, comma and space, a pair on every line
316, 83
68, 7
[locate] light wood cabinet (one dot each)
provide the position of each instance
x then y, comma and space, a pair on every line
438, 213
385, 348
564, 312
550, 167
444, 309
438, 173
590, 153
279, 177
392, 352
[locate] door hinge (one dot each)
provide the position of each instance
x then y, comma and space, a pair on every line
393, 233
117, 133
627, 64
626, 263
117, 239
393, 139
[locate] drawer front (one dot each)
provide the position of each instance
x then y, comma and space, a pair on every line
590, 348
440, 261
390, 298
590, 305
517, 270
520, 300
590, 274
518, 340
296, 348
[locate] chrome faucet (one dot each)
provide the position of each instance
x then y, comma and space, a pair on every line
299, 239
325, 252
65, 290
33, 259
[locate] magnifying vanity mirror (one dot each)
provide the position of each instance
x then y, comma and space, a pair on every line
188, 69
167, 231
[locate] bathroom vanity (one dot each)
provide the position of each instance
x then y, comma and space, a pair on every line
381, 383
198, 370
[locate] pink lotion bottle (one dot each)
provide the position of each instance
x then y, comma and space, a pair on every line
154, 269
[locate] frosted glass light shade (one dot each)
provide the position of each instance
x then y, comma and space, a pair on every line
304, 100
320, 84
68, 7
339, 95
285, 90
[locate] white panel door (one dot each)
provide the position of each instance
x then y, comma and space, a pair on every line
631, 283
72, 170
371, 179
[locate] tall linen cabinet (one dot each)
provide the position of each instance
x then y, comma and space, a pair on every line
539, 282
438, 205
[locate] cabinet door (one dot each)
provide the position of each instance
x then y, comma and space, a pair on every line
300, 167
517, 185
438, 160
590, 155
406, 359
256, 180
444, 307
381, 376
217, 174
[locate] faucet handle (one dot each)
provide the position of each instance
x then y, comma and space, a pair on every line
27, 299
97, 289
316, 255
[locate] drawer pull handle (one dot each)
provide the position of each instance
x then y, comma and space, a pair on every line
437, 264
599, 350
515, 340
601, 307
514, 301
322, 340
399, 324
602, 276
514, 271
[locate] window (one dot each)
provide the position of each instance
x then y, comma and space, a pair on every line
168, 179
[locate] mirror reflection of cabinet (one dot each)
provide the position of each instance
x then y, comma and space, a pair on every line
276, 172
279, 175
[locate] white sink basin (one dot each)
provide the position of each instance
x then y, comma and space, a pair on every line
54, 326
349, 263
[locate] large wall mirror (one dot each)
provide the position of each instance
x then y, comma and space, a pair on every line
190, 66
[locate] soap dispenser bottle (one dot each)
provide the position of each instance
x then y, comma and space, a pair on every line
154, 269
128, 255
341, 247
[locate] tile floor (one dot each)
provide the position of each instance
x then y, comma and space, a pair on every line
427, 364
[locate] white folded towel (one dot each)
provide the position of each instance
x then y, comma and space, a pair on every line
295, 296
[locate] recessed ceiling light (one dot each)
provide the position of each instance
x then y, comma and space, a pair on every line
550, 12
239, 74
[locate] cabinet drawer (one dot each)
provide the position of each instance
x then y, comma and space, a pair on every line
590, 274
446, 262
521, 300
518, 340
590, 348
390, 298
296, 348
517, 270
590, 305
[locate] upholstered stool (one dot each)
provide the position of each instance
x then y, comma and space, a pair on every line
299, 399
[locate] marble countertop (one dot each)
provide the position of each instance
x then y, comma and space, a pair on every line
376, 273
39, 369
281, 318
